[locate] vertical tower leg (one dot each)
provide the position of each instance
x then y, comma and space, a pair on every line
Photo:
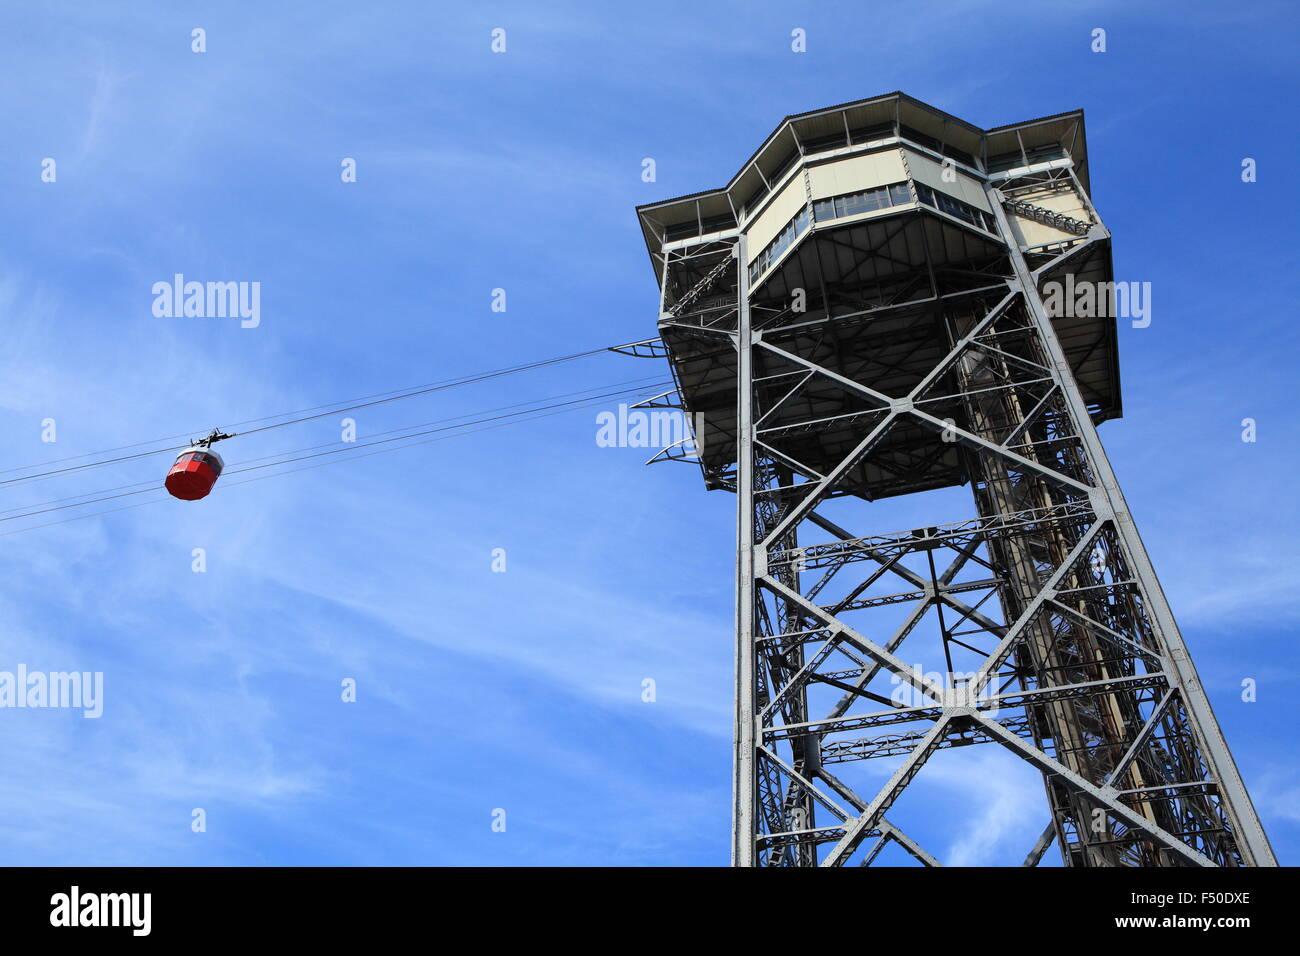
744, 789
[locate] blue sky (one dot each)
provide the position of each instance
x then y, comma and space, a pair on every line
476, 171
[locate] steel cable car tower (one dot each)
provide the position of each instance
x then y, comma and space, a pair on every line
864, 312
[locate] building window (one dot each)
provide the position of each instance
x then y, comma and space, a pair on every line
916, 136
869, 200
691, 228
943, 149
871, 133
785, 167
1038, 154
783, 241
955, 207
822, 144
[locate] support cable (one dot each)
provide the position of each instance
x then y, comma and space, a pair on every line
366, 401
506, 418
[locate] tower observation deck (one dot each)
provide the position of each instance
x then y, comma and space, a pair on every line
871, 308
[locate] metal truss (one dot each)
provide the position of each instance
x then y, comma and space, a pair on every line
1040, 621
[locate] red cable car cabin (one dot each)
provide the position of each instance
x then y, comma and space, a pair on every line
195, 472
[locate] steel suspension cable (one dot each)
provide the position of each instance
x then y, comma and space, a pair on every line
351, 447
367, 401
634, 385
